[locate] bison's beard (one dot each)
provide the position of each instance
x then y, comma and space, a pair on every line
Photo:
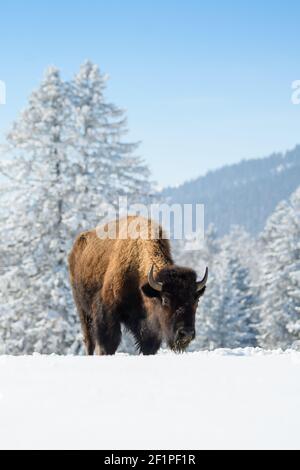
179, 346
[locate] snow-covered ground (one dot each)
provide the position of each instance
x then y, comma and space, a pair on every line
222, 399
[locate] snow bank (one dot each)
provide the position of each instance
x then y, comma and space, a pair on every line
223, 399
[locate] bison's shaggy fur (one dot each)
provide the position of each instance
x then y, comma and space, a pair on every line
111, 287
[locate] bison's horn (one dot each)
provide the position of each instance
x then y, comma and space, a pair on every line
154, 284
201, 284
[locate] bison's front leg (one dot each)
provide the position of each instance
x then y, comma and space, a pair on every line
150, 345
148, 341
107, 331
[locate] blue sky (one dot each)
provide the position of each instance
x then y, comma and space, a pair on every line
205, 83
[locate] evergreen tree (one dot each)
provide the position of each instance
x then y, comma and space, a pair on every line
236, 304
280, 276
106, 166
67, 163
34, 288
226, 315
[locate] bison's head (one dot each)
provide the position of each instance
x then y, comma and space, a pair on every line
174, 294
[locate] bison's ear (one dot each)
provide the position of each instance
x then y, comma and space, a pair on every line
148, 291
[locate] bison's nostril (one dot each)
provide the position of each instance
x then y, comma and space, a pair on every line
181, 333
190, 333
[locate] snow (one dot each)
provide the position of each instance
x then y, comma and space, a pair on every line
223, 399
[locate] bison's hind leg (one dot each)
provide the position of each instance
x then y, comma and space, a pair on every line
88, 334
89, 339
86, 327
107, 329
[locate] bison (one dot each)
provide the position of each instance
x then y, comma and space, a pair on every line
132, 281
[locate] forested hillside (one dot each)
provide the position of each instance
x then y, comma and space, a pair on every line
242, 194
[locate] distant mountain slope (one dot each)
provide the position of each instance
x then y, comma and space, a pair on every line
245, 193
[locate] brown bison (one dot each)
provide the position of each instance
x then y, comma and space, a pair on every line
132, 280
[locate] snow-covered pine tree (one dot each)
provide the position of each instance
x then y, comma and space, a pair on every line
237, 319
57, 177
34, 285
107, 166
226, 315
280, 276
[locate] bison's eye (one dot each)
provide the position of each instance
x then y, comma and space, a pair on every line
165, 301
